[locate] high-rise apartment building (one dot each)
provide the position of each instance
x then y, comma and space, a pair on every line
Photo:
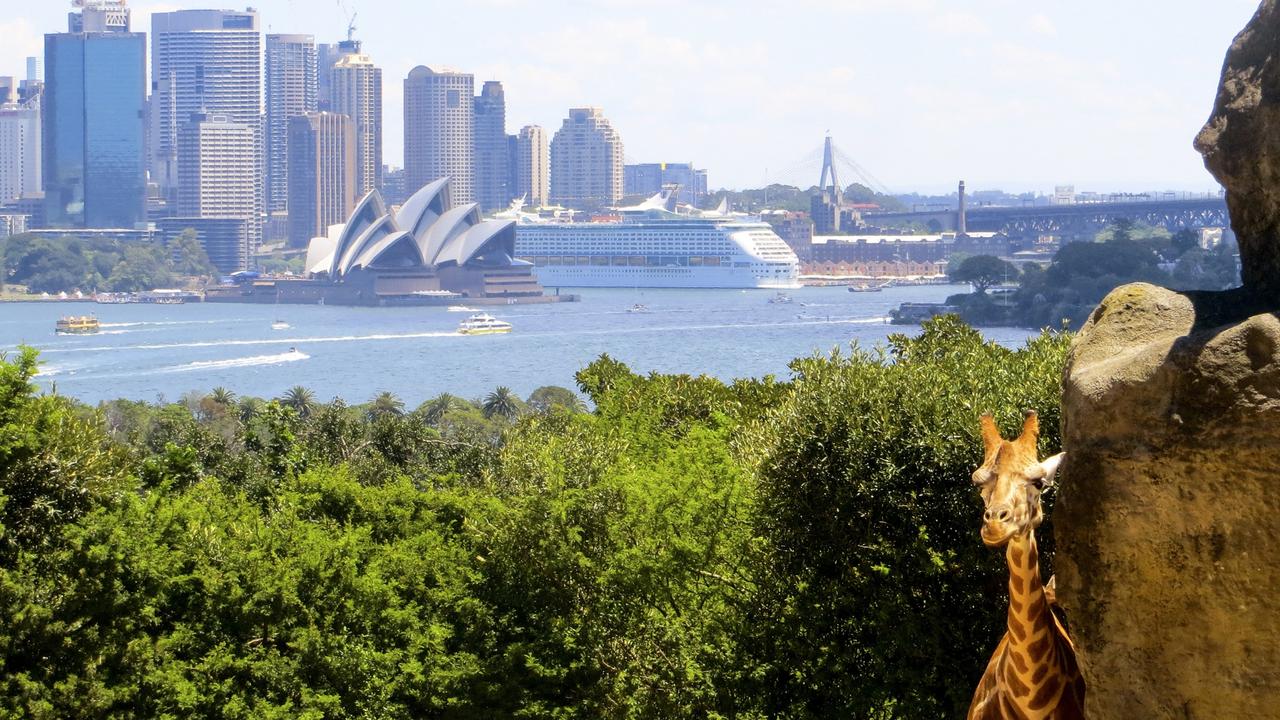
19, 150
218, 179
586, 160
93, 132
489, 151
291, 88
327, 55
356, 91
202, 61
649, 178
533, 165
439, 130
322, 179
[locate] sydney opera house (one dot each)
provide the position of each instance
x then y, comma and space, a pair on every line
426, 252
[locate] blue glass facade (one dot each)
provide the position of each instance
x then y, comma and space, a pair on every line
94, 129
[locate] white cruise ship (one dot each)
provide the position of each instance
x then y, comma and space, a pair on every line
659, 251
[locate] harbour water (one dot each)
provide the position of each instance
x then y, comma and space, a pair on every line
148, 352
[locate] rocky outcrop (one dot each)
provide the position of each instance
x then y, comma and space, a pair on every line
1241, 146
1168, 517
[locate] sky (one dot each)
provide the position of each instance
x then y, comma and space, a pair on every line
1105, 95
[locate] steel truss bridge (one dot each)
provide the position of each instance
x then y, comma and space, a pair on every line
1068, 220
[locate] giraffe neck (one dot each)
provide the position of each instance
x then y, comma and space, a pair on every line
1028, 609
1033, 651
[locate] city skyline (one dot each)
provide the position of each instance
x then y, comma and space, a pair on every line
1006, 96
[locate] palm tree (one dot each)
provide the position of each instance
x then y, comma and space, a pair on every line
434, 409
501, 402
301, 399
222, 396
385, 404
249, 408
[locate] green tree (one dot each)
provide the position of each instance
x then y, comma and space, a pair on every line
300, 399
385, 404
1121, 230
189, 256
983, 271
223, 396
501, 403
547, 397
877, 597
1184, 240
142, 267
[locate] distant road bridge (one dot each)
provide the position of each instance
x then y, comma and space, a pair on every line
1068, 220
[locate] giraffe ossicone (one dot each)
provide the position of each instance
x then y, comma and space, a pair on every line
1033, 673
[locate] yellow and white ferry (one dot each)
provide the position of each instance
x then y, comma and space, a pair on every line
76, 325
483, 324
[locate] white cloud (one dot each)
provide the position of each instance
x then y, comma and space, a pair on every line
959, 23
1042, 25
21, 41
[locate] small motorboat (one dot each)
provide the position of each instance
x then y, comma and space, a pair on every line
638, 308
483, 324
780, 299
279, 325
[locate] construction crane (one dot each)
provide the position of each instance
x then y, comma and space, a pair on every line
351, 20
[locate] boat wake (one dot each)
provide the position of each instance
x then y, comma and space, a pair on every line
255, 361
261, 341
143, 323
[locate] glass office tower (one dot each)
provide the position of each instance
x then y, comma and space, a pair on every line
94, 154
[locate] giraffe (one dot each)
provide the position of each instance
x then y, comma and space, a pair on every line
1033, 672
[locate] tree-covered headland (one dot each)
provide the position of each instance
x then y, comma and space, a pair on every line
70, 263
799, 548
1082, 273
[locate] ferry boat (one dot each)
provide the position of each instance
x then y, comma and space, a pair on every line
658, 249
76, 325
483, 324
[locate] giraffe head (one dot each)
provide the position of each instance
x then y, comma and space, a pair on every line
1011, 479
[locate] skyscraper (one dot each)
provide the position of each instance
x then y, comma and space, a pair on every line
489, 138
533, 165
327, 55
202, 61
93, 129
648, 178
218, 179
291, 91
322, 179
586, 160
356, 91
19, 150
438, 130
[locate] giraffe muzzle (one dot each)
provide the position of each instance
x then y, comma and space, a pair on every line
997, 524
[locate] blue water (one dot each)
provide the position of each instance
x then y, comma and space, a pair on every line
146, 352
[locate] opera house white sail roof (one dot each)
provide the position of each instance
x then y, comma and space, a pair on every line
426, 232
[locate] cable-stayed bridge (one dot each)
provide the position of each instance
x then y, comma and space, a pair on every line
1074, 220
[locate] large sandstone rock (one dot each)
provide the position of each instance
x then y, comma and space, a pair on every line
1241, 146
1168, 518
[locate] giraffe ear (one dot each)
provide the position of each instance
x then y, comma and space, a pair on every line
990, 434
1046, 471
1030, 429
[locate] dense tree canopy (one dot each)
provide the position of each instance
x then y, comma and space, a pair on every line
688, 549
66, 264
983, 271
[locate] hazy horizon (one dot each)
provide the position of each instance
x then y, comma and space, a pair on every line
1002, 95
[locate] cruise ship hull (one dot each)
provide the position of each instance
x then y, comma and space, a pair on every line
659, 253
657, 277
